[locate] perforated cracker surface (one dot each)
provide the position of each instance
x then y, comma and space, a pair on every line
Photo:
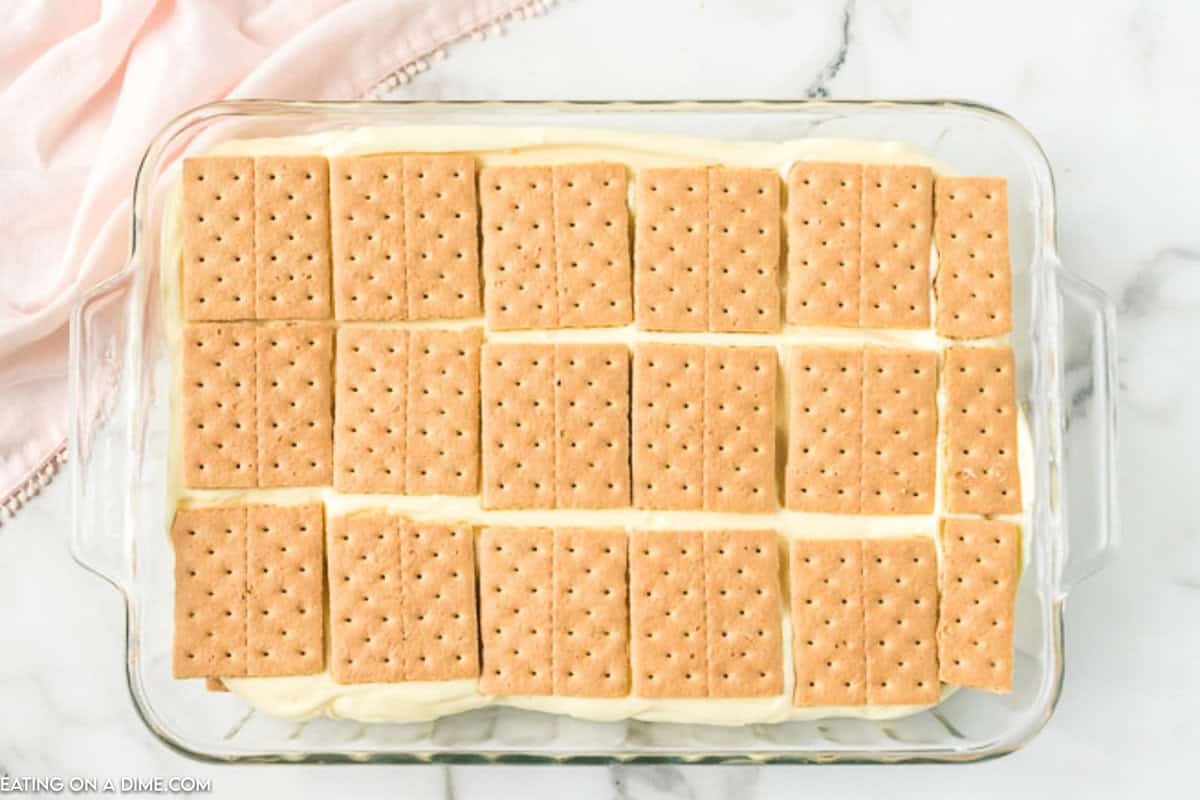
974, 278
591, 235
668, 426
745, 648
438, 573
217, 231
291, 230
517, 225
516, 611
218, 389
671, 250
900, 602
440, 232
517, 387
592, 426
591, 613
668, 636
743, 250
980, 568
739, 429
442, 452
285, 577
210, 592
824, 467
897, 222
983, 475
826, 577
824, 216
295, 398
371, 427
899, 438
366, 198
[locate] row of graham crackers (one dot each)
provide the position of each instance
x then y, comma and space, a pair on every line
398, 237
594, 612
573, 426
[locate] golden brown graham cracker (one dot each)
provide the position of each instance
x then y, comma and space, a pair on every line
370, 426
591, 238
826, 577
516, 610
291, 232
366, 200
217, 232
518, 425
442, 451
295, 405
824, 221
900, 605
517, 224
441, 236
897, 221
285, 576
983, 475
745, 645
824, 466
739, 429
210, 591
899, 439
743, 250
592, 426
671, 249
974, 277
668, 632
591, 612
979, 571
438, 576
366, 614
668, 426
218, 388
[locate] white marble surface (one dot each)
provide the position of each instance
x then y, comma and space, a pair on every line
1111, 89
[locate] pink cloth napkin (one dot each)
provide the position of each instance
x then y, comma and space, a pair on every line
84, 85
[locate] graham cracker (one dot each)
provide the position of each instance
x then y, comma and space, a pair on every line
366, 200
745, 645
824, 465
668, 633
285, 577
291, 232
980, 568
438, 572
215, 685
739, 429
371, 426
517, 224
516, 610
897, 222
442, 452
900, 606
518, 425
824, 223
591, 238
440, 230
592, 426
671, 250
295, 414
899, 439
366, 615
217, 233
218, 393
210, 592
826, 578
974, 277
591, 613
983, 475
668, 426
743, 250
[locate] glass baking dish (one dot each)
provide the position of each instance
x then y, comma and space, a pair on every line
1063, 338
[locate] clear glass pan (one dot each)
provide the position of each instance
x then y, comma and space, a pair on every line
119, 391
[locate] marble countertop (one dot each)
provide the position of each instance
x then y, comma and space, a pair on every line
1110, 91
